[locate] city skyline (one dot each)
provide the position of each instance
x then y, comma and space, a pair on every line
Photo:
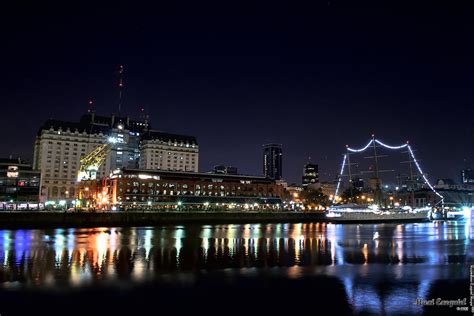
313, 82
242, 157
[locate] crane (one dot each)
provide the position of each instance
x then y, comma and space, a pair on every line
91, 162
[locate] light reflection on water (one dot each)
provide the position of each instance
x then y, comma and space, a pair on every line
407, 257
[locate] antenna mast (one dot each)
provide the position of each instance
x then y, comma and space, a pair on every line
120, 87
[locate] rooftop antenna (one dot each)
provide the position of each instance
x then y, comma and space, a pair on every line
144, 116
120, 88
89, 106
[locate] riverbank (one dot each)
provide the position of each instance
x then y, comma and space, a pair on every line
35, 219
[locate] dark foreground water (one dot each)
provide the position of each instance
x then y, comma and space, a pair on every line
378, 269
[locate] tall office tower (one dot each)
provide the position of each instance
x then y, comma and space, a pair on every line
310, 174
272, 161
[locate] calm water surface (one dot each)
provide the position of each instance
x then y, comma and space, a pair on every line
382, 268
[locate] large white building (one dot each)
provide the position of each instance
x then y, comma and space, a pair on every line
162, 151
60, 145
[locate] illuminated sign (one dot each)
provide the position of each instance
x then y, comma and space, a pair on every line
12, 172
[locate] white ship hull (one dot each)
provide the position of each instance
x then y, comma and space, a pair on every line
368, 215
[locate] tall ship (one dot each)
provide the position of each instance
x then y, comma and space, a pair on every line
365, 198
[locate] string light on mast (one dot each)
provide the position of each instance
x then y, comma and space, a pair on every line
340, 177
361, 149
374, 141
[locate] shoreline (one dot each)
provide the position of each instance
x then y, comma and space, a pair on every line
35, 219
25, 219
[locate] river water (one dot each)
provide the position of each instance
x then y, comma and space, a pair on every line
379, 269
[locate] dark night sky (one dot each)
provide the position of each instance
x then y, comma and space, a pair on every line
313, 78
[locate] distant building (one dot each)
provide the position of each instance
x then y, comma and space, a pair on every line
293, 193
358, 183
19, 184
310, 175
453, 198
412, 183
467, 176
272, 161
445, 182
60, 145
225, 169
328, 188
373, 182
449, 184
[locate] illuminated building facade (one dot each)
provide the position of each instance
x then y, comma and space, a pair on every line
273, 161
222, 169
310, 175
163, 151
60, 145
19, 185
129, 188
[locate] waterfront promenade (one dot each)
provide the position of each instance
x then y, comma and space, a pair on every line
40, 219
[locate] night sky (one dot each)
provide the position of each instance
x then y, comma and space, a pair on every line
238, 75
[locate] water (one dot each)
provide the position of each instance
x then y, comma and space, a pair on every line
360, 269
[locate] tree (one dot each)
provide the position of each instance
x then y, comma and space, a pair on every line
349, 195
314, 198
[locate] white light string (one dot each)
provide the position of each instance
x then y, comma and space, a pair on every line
422, 174
389, 147
340, 177
362, 149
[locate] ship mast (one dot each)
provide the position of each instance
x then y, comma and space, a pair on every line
410, 177
349, 173
378, 195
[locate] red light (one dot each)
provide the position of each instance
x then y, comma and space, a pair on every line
21, 184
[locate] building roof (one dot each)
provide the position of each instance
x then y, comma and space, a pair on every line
272, 145
166, 137
445, 181
195, 175
73, 126
95, 124
113, 121
13, 161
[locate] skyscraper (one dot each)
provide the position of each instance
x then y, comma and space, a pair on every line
310, 174
272, 161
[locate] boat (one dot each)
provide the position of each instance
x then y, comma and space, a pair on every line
371, 213
372, 203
